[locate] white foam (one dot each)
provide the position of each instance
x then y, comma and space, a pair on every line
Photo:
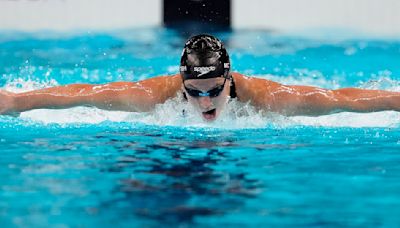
19, 85
74, 115
347, 119
236, 116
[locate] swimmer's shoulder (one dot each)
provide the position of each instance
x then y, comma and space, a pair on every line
159, 88
168, 83
250, 88
163, 87
172, 82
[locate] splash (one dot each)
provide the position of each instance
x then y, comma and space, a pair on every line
19, 85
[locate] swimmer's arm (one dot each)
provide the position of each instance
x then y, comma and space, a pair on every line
123, 96
307, 100
113, 96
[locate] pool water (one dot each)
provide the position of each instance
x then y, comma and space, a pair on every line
84, 167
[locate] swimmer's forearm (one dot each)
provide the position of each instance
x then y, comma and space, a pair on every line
53, 98
361, 100
122, 96
109, 97
312, 101
346, 100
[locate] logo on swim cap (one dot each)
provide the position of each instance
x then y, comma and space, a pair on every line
203, 70
203, 57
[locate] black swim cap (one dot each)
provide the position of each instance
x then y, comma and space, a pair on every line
204, 56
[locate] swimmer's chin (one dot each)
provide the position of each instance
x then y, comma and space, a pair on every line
210, 115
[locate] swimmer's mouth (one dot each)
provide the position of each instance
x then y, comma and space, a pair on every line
210, 115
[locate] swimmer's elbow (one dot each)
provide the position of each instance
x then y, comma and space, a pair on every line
317, 104
353, 100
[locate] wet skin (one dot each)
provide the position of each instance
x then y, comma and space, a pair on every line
143, 96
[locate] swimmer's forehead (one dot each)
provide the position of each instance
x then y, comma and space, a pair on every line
204, 83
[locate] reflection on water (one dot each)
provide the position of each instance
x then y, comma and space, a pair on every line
181, 183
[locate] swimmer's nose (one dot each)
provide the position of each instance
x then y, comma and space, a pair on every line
205, 102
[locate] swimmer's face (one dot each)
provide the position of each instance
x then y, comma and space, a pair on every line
211, 102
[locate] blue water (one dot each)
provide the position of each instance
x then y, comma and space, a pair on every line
85, 167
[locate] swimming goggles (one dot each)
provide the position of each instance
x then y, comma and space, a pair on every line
215, 92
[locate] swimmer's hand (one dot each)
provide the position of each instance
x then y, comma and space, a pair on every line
7, 103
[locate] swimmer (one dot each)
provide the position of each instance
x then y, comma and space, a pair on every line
206, 82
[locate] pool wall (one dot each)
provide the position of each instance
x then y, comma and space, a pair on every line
366, 16
64, 15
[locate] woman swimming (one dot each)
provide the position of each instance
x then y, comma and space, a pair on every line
207, 83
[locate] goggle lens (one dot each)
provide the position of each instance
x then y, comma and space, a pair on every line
215, 92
